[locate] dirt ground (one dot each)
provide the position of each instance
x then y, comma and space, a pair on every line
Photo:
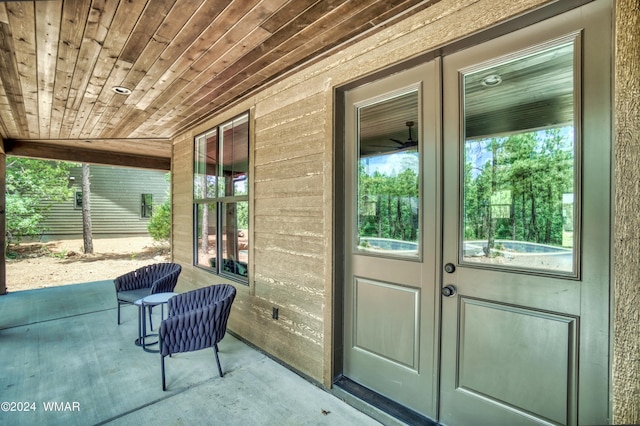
53, 263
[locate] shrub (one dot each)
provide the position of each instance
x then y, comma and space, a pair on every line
160, 222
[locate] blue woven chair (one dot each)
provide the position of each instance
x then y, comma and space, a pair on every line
197, 320
151, 279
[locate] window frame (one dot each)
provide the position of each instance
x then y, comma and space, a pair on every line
209, 189
77, 202
146, 209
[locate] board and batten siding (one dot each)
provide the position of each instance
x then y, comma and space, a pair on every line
292, 203
116, 198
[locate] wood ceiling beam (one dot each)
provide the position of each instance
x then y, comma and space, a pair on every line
83, 155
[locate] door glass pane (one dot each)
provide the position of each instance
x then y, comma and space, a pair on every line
520, 163
388, 206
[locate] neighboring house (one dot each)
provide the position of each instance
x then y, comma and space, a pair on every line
122, 201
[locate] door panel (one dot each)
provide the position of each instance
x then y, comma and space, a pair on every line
391, 292
526, 198
529, 349
394, 334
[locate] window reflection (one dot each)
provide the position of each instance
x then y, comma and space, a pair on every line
206, 228
388, 204
519, 163
235, 162
235, 250
205, 174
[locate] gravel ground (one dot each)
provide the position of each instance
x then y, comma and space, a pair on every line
53, 263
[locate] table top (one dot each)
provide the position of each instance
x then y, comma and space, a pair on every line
157, 298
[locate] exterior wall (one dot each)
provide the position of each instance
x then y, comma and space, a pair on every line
292, 205
115, 201
292, 201
626, 299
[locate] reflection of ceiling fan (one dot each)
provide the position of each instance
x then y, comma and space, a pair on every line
409, 142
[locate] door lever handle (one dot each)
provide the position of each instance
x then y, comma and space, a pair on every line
449, 291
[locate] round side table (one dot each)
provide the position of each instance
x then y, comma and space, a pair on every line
149, 302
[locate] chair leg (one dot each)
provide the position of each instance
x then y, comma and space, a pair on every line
215, 351
119, 312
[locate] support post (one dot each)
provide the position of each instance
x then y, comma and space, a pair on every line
626, 310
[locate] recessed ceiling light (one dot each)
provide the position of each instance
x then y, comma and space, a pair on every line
122, 90
491, 80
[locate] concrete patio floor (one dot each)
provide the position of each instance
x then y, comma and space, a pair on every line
64, 358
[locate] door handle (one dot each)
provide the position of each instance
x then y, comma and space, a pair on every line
449, 291
449, 268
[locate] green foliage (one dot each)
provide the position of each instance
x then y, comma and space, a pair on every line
513, 190
388, 203
243, 214
32, 187
534, 169
159, 226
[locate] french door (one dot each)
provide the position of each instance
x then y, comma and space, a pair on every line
526, 226
477, 223
391, 283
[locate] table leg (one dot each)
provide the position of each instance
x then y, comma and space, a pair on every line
144, 328
139, 340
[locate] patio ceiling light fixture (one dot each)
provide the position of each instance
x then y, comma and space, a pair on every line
122, 90
491, 80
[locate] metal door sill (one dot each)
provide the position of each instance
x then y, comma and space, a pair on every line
377, 406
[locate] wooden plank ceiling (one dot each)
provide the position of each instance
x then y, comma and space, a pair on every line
183, 60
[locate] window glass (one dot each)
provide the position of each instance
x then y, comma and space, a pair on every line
205, 170
206, 235
146, 208
235, 162
388, 205
520, 163
78, 200
235, 255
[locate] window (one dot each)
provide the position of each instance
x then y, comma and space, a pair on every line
146, 207
520, 162
389, 201
221, 199
78, 200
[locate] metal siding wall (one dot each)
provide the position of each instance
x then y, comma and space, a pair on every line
115, 201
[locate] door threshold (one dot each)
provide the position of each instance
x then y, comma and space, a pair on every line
379, 407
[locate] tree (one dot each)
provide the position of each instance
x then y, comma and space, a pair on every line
32, 186
388, 201
535, 169
87, 237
